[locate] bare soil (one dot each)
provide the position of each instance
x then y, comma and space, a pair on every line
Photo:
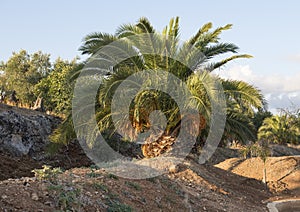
193, 187
283, 173
231, 185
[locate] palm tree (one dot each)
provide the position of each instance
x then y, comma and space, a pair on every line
259, 149
242, 100
164, 51
282, 129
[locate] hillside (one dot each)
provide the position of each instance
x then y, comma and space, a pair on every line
192, 187
283, 173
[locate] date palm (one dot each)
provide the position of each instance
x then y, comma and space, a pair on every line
282, 129
164, 49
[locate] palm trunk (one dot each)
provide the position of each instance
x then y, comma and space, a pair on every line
265, 175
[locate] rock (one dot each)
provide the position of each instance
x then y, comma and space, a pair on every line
26, 132
48, 203
34, 197
173, 169
4, 196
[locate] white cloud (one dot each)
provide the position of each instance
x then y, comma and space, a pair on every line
281, 91
294, 58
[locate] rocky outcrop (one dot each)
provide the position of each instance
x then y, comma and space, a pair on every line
25, 132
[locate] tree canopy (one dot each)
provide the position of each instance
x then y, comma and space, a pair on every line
163, 49
23, 71
282, 128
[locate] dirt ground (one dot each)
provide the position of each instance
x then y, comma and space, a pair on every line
231, 185
283, 173
193, 187
67, 158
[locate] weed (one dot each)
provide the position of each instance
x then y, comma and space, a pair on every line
177, 190
93, 174
170, 200
133, 185
100, 186
152, 179
67, 198
94, 167
113, 201
113, 196
112, 176
116, 206
53, 187
47, 173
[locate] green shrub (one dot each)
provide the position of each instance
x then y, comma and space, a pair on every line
47, 173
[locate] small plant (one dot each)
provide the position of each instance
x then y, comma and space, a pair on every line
47, 173
94, 167
112, 176
177, 190
260, 149
133, 185
55, 187
67, 198
152, 179
92, 174
115, 206
100, 186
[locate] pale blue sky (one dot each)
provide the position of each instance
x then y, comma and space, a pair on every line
269, 30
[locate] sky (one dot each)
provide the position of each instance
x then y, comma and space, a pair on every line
268, 30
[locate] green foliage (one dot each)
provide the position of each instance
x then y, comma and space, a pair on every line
56, 88
115, 206
100, 186
282, 129
242, 97
259, 149
47, 173
112, 176
151, 179
133, 185
22, 72
67, 198
92, 173
259, 118
242, 100
112, 199
64, 133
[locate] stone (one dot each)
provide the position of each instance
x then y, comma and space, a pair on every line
34, 197
4, 196
173, 169
25, 132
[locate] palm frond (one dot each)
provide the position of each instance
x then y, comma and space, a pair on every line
216, 65
205, 28
95, 41
246, 95
145, 26
126, 30
220, 48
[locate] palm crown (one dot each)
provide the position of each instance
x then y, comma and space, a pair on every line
164, 51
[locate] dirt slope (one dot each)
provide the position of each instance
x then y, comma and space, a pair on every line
193, 188
283, 173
